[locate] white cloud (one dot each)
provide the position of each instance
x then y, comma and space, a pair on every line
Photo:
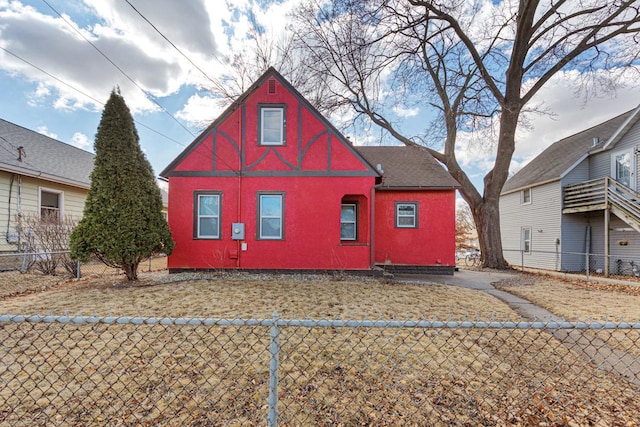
82, 141
200, 110
43, 130
405, 112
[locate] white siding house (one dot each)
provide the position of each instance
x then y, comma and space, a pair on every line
38, 176
578, 196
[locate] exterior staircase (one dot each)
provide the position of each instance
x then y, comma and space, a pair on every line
604, 193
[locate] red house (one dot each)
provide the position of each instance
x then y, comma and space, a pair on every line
272, 185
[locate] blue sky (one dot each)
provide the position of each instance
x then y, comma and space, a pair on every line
53, 79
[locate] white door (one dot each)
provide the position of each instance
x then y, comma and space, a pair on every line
623, 168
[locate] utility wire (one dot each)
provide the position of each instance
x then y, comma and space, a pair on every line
83, 93
172, 44
148, 95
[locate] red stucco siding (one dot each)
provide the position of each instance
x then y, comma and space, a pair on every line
431, 243
311, 224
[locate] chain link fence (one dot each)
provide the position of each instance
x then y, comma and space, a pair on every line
625, 266
69, 371
60, 263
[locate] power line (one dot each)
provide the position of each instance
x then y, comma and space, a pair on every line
118, 68
171, 43
83, 93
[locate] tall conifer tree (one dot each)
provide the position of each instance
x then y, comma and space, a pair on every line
122, 222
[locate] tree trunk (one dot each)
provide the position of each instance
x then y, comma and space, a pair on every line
487, 219
131, 270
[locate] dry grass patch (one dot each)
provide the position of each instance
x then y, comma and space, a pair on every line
577, 299
253, 296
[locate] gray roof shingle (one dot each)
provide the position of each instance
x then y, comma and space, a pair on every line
408, 167
561, 155
44, 158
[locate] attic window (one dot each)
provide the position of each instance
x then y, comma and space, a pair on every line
525, 198
271, 125
272, 87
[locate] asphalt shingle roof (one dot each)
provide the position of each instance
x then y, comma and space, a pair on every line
44, 157
561, 155
408, 167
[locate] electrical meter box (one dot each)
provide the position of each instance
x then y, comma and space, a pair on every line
237, 231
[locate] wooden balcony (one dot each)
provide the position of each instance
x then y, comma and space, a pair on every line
603, 194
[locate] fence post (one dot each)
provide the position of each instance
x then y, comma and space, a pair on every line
78, 274
586, 264
522, 258
274, 350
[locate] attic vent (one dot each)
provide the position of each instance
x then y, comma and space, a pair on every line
272, 86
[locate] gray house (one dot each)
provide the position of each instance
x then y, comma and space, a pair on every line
578, 196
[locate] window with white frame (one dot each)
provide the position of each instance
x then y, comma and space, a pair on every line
270, 216
207, 215
525, 240
406, 215
271, 125
349, 221
526, 196
50, 205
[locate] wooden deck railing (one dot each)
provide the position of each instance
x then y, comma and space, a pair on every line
603, 193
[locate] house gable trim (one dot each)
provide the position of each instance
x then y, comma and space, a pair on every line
292, 173
622, 130
239, 103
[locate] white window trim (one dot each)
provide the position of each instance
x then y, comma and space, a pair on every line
354, 222
523, 240
264, 109
60, 194
199, 216
261, 217
522, 193
414, 215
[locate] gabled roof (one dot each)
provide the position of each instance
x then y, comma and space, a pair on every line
43, 157
563, 155
271, 72
408, 168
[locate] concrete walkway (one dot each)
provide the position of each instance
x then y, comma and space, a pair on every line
591, 348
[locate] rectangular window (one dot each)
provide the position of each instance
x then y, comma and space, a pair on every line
271, 126
348, 221
270, 216
50, 206
526, 196
406, 215
525, 240
207, 218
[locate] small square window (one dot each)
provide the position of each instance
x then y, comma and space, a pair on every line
271, 126
406, 215
348, 221
526, 196
207, 215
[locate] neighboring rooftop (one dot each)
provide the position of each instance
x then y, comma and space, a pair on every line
43, 157
408, 167
561, 155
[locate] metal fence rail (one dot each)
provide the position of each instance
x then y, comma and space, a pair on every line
60, 263
62, 370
